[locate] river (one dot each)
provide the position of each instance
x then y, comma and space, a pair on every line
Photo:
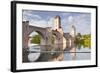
46, 53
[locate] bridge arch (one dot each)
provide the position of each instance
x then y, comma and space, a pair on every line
28, 29
42, 37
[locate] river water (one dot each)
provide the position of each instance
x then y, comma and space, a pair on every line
45, 53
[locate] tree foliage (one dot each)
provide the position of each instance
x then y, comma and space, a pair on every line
84, 40
36, 39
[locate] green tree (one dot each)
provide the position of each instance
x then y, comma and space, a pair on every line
36, 39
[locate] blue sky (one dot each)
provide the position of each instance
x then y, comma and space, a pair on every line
82, 21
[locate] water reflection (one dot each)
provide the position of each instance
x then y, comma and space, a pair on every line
44, 53
34, 56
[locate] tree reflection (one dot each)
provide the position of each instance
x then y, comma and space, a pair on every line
83, 41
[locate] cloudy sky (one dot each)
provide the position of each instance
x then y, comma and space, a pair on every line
82, 21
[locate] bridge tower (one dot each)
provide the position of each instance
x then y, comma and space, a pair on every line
73, 31
57, 22
58, 29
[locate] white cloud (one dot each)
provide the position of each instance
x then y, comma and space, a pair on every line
42, 23
70, 18
51, 22
82, 23
38, 23
36, 20
28, 15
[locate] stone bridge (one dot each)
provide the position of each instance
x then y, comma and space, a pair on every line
28, 29
46, 35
